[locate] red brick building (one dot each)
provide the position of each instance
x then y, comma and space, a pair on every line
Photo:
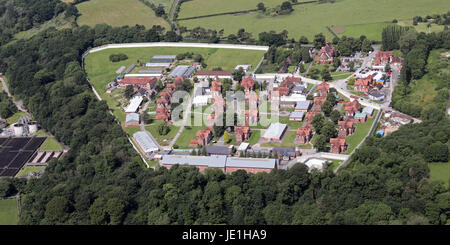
338, 145
323, 89
304, 134
248, 84
363, 84
383, 57
241, 133
146, 83
346, 128
325, 55
352, 107
251, 116
203, 138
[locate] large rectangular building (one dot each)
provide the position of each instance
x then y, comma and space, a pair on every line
275, 132
251, 165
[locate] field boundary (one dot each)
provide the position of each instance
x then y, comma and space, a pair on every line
236, 12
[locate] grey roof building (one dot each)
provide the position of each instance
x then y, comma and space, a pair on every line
298, 89
296, 115
165, 57
145, 142
217, 150
303, 105
239, 162
130, 68
368, 110
132, 118
275, 131
182, 71
207, 161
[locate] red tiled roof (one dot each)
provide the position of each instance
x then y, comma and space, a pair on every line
138, 80
305, 131
214, 73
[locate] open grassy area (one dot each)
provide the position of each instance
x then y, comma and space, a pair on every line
59, 22
8, 212
50, 144
14, 118
362, 129
422, 27
440, 171
340, 75
118, 13
29, 169
163, 140
288, 141
372, 30
187, 135
335, 162
132, 129
425, 90
310, 19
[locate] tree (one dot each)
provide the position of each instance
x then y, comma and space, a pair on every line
303, 40
329, 130
321, 143
366, 46
159, 11
327, 107
129, 91
436, 152
319, 41
163, 129
238, 74
407, 41
335, 116
286, 7
56, 211
302, 68
261, 7
331, 98
325, 74
226, 137
351, 65
351, 81
318, 122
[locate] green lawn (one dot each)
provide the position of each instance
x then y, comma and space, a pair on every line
340, 75
14, 118
50, 144
132, 129
372, 31
118, 13
422, 27
187, 135
310, 19
163, 140
362, 129
8, 212
254, 137
29, 169
335, 162
288, 141
440, 171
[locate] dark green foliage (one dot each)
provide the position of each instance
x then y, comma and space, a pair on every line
7, 108
129, 91
318, 122
319, 40
163, 129
391, 35
118, 57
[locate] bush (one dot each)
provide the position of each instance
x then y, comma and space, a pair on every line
118, 57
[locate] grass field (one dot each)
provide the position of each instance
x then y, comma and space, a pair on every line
424, 91
372, 31
50, 144
167, 4
8, 212
59, 22
29, 169
187, 135
118, 13
101, 70
335, 162
422, 27
14, 118
440, 171
310, 19
362, 129
163, 140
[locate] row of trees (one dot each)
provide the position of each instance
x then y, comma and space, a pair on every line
7, 108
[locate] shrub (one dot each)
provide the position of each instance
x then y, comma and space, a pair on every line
118, 57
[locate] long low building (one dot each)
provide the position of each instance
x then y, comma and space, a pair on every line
225, 163
145, 143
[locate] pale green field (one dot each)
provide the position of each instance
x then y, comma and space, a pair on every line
440, 171
29, 169
362, 129
101, 70
8, 212
371, 31
59, 22
167, 4
118, 13
310, 19
14, 118
206, 7
422, 27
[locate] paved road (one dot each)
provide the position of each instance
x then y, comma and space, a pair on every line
185, 118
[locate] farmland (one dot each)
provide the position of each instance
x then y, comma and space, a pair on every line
117, 13
8, 212
313, 18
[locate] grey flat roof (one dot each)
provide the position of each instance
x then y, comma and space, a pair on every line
275, 130
132, 117
302, 105
217, 150
130, 68
240, 162
368, 110
145, 142
297, 114
161, 60
151, 71
182, 71
164, 57
209, 161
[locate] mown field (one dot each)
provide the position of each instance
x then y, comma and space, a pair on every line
205, 7
362, 129
440, 171
118, 13
310, 19
101, 70
8, 212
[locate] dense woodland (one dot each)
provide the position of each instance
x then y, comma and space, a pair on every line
102, 180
